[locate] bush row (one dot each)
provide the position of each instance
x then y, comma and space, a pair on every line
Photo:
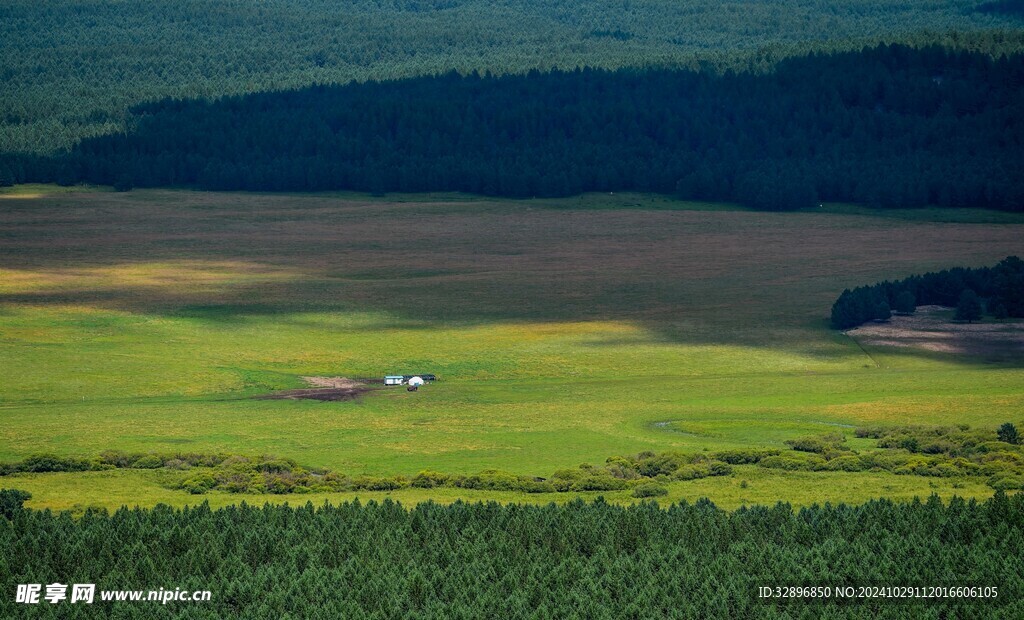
943, 451
270, 474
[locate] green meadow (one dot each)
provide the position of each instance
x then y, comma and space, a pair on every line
563, 331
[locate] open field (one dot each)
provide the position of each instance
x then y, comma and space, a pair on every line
564, 331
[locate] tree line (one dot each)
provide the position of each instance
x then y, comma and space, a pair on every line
475, 560
888, 126
997, 290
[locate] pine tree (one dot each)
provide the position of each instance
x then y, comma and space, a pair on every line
969, 307
905, 303
882, 311
1008, 433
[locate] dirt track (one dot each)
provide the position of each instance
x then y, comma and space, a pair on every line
324, 388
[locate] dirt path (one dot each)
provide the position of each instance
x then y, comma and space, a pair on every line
323, 388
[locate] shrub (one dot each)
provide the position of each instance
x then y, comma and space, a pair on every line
279, 483
39, 463
795, 461
1006, 482
199, 483
276, 465
662, 464
598, 483
491, 480
382, 484
819, 444
116, 458
429, 479
148, 462
649, 489
848, 463
870, 432
719, 469
744, 457
538, 486
240, 482
176, 464
237, 462
692, 472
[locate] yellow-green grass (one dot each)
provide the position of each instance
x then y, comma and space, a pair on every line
565, 331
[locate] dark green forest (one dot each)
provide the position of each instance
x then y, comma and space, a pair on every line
884, 126
70, 69
579, 560
1001, 288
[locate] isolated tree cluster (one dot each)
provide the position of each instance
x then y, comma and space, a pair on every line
998, 289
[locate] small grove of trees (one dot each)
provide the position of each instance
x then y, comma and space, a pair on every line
1000, 289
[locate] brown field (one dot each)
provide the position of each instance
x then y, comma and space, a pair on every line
697, 275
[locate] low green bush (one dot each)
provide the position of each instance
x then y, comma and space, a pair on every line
649, 489
42, 463
795, 461
148, 462
429, 479
199, 483
744, 457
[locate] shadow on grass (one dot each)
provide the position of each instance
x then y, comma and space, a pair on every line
762, 280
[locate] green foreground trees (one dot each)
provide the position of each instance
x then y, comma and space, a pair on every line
578, 560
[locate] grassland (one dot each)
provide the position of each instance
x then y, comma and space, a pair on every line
565, 331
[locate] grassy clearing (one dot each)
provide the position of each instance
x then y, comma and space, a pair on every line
565, 331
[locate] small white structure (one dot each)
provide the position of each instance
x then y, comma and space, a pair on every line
395, 380
415, 382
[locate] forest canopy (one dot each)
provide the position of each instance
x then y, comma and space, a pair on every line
578, 560
70, 69
889, 126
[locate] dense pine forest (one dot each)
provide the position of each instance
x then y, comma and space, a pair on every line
72, 68
580, 560
885, 126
